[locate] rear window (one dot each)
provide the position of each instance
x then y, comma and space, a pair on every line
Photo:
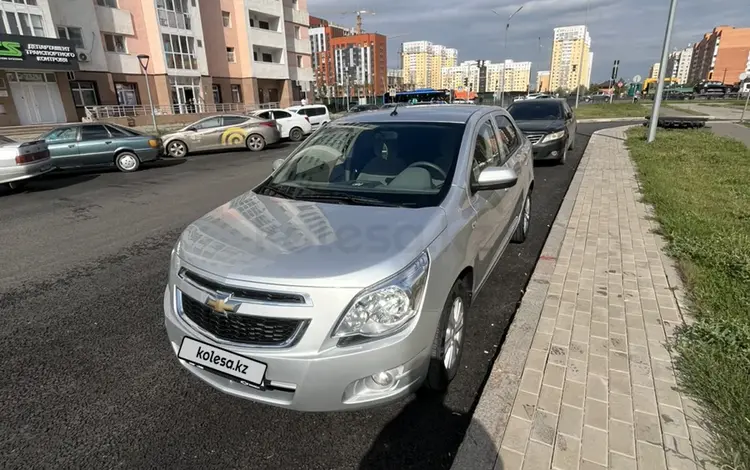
536, 110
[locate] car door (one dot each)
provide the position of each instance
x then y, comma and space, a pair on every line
570, 121
283, 122
206, 135
95, 146
233, 131
487, 225
512, 157
63, 146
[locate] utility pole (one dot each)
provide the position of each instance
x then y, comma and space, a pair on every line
505, 52
583, 44
615, 70
662, 73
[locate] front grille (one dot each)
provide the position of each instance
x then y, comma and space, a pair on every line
248, 294
245, 329
534, 137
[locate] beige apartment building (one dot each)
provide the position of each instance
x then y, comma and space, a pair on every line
76, 57
422, 63
571, 58
487, 77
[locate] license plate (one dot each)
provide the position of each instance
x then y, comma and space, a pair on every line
245, 370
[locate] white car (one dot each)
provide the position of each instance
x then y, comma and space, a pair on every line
20, 162
292, 126
317, 113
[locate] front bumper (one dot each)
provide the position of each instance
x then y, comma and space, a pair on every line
151, 154
549, 150
306, 378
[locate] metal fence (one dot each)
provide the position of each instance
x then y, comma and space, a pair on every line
94, 113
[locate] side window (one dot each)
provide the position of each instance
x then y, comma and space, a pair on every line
304, 112
233, 120
265, 115
508, 133
208, 123
63, 134
89, 133
281, 115
319, 111
117, 132
486, 149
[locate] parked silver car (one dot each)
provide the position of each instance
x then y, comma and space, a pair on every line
21, 161
226, 131
343, 281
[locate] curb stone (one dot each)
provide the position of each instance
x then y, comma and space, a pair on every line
490, 418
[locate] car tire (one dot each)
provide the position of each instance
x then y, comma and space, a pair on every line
255, 142
448, 345
177, 149
563, 158
524, 224
17, 185
296, 134
127, 162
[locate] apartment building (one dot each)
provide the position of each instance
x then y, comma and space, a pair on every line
542, 81
571, 50
485, 76
422, 63
361, 64
322, 32
395, 80
653, 71
678, 64
721, 55
75, 54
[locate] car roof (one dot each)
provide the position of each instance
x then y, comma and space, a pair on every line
536, 101
455, 113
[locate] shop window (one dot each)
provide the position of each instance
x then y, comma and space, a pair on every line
84, 93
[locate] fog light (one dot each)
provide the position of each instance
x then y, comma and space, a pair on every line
554, 153
384, 379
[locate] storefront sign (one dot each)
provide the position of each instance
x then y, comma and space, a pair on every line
28, 52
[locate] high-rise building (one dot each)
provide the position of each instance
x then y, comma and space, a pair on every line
678, 64
721, 55
484, 76
395, 81
324, 68
653, 72
361, 63
76, 56
571, 50
542, 81
422, 63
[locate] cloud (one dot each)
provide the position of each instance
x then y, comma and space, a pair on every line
631, 31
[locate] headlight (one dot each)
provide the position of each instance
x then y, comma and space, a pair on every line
388, 305
553, 136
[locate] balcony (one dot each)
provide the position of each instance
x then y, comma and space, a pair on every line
270, 70
300, 46
122, 63
301, 17
112, 20
303, 74
269, 7
267, 38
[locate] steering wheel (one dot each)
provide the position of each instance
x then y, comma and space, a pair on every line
430, 165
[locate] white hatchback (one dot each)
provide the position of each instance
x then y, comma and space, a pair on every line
291, 125
317, 113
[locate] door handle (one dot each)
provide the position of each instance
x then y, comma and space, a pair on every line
108, 142
71, 145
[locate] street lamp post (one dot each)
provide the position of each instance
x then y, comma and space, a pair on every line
580, 61
143, 59
505, 51
652, 125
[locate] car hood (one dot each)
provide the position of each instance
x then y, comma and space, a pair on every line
538, 125
263, 239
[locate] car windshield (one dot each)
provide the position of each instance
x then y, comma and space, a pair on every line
382, 164
535, 110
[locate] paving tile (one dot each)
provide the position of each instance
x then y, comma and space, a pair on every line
597, 387
594, 446
588, 465
650, 457
570, 422
536, 360
525, 405
618, 361
620, 407
679, 452
516, 434
558, 355
531, 381
554, 375
509, 460
576, 371
621, 438
621, 462
578, 350
543, 427
667, 394
595, 414
673, 421
619, 382
566, 453
549, 399
538, 456
647, 428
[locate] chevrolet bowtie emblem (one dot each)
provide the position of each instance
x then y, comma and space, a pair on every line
223, 306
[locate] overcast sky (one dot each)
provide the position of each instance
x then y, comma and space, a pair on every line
632, 31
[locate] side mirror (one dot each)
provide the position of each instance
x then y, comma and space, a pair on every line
495, 177
277, 163
569, 116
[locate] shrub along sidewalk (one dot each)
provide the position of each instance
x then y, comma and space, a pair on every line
698, 185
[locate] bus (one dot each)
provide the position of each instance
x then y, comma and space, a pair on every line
422, 95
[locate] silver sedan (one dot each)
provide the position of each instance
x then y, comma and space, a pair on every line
21, 161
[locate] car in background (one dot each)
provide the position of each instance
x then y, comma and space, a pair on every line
549, 124
101, 145
317, 113
292, 126
363, 107
21, 161
226, 131
267, 300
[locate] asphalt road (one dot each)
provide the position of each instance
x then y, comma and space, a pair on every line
89, 379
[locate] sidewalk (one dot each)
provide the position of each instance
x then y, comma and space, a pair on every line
732, 130
719, 112
583, 380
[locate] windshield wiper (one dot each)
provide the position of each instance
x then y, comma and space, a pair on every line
277, 190
347, 198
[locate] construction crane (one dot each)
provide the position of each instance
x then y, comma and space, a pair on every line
359, 14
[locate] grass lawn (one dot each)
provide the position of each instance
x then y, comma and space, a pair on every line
614, 110
697, 183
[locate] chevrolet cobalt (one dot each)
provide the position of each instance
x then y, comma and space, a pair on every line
344, 280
